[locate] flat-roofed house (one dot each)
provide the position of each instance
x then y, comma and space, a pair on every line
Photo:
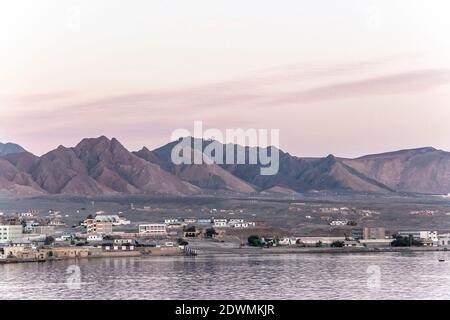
152, 229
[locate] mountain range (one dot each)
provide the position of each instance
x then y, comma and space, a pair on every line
102, 166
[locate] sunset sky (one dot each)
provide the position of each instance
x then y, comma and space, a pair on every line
344, 77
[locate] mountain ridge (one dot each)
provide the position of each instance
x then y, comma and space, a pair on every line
103, 166
10, 148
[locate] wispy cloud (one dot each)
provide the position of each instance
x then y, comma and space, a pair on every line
407, 82
250, 100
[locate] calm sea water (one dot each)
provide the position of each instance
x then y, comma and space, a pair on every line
301, 276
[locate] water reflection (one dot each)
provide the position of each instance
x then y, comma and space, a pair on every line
306, 276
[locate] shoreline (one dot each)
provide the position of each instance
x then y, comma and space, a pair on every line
242, 251
274, 251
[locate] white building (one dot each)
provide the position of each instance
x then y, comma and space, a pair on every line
233, 221
171, 221
152, 229
421, 235
444, 240
338, 223
242, 225
123, 241
287, 241
115, 219
220, 223
64, 237
95, 237
10, 233
26, 215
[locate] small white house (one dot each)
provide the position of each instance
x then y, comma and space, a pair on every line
338, 223
171, 221
444, 240
220, 223
233, 221
240, 225
95, 237
287, 241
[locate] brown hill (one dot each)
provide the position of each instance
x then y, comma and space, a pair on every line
424, 170
206, 176
94, 167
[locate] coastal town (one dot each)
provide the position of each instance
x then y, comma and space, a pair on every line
35, 237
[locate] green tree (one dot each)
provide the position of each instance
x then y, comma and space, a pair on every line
209, 233
337, 244
409, 241
319, 244
49, 240
190, 229
254, 241
182, 242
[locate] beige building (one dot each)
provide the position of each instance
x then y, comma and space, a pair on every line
47, 230
10, 233
98, 227
374, 233
22, 253
152, 229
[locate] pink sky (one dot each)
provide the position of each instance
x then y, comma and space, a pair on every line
350, 80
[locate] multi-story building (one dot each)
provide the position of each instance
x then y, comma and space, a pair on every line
152, 229
368, 233
100, 227
47, 230
374, 233
10, 233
